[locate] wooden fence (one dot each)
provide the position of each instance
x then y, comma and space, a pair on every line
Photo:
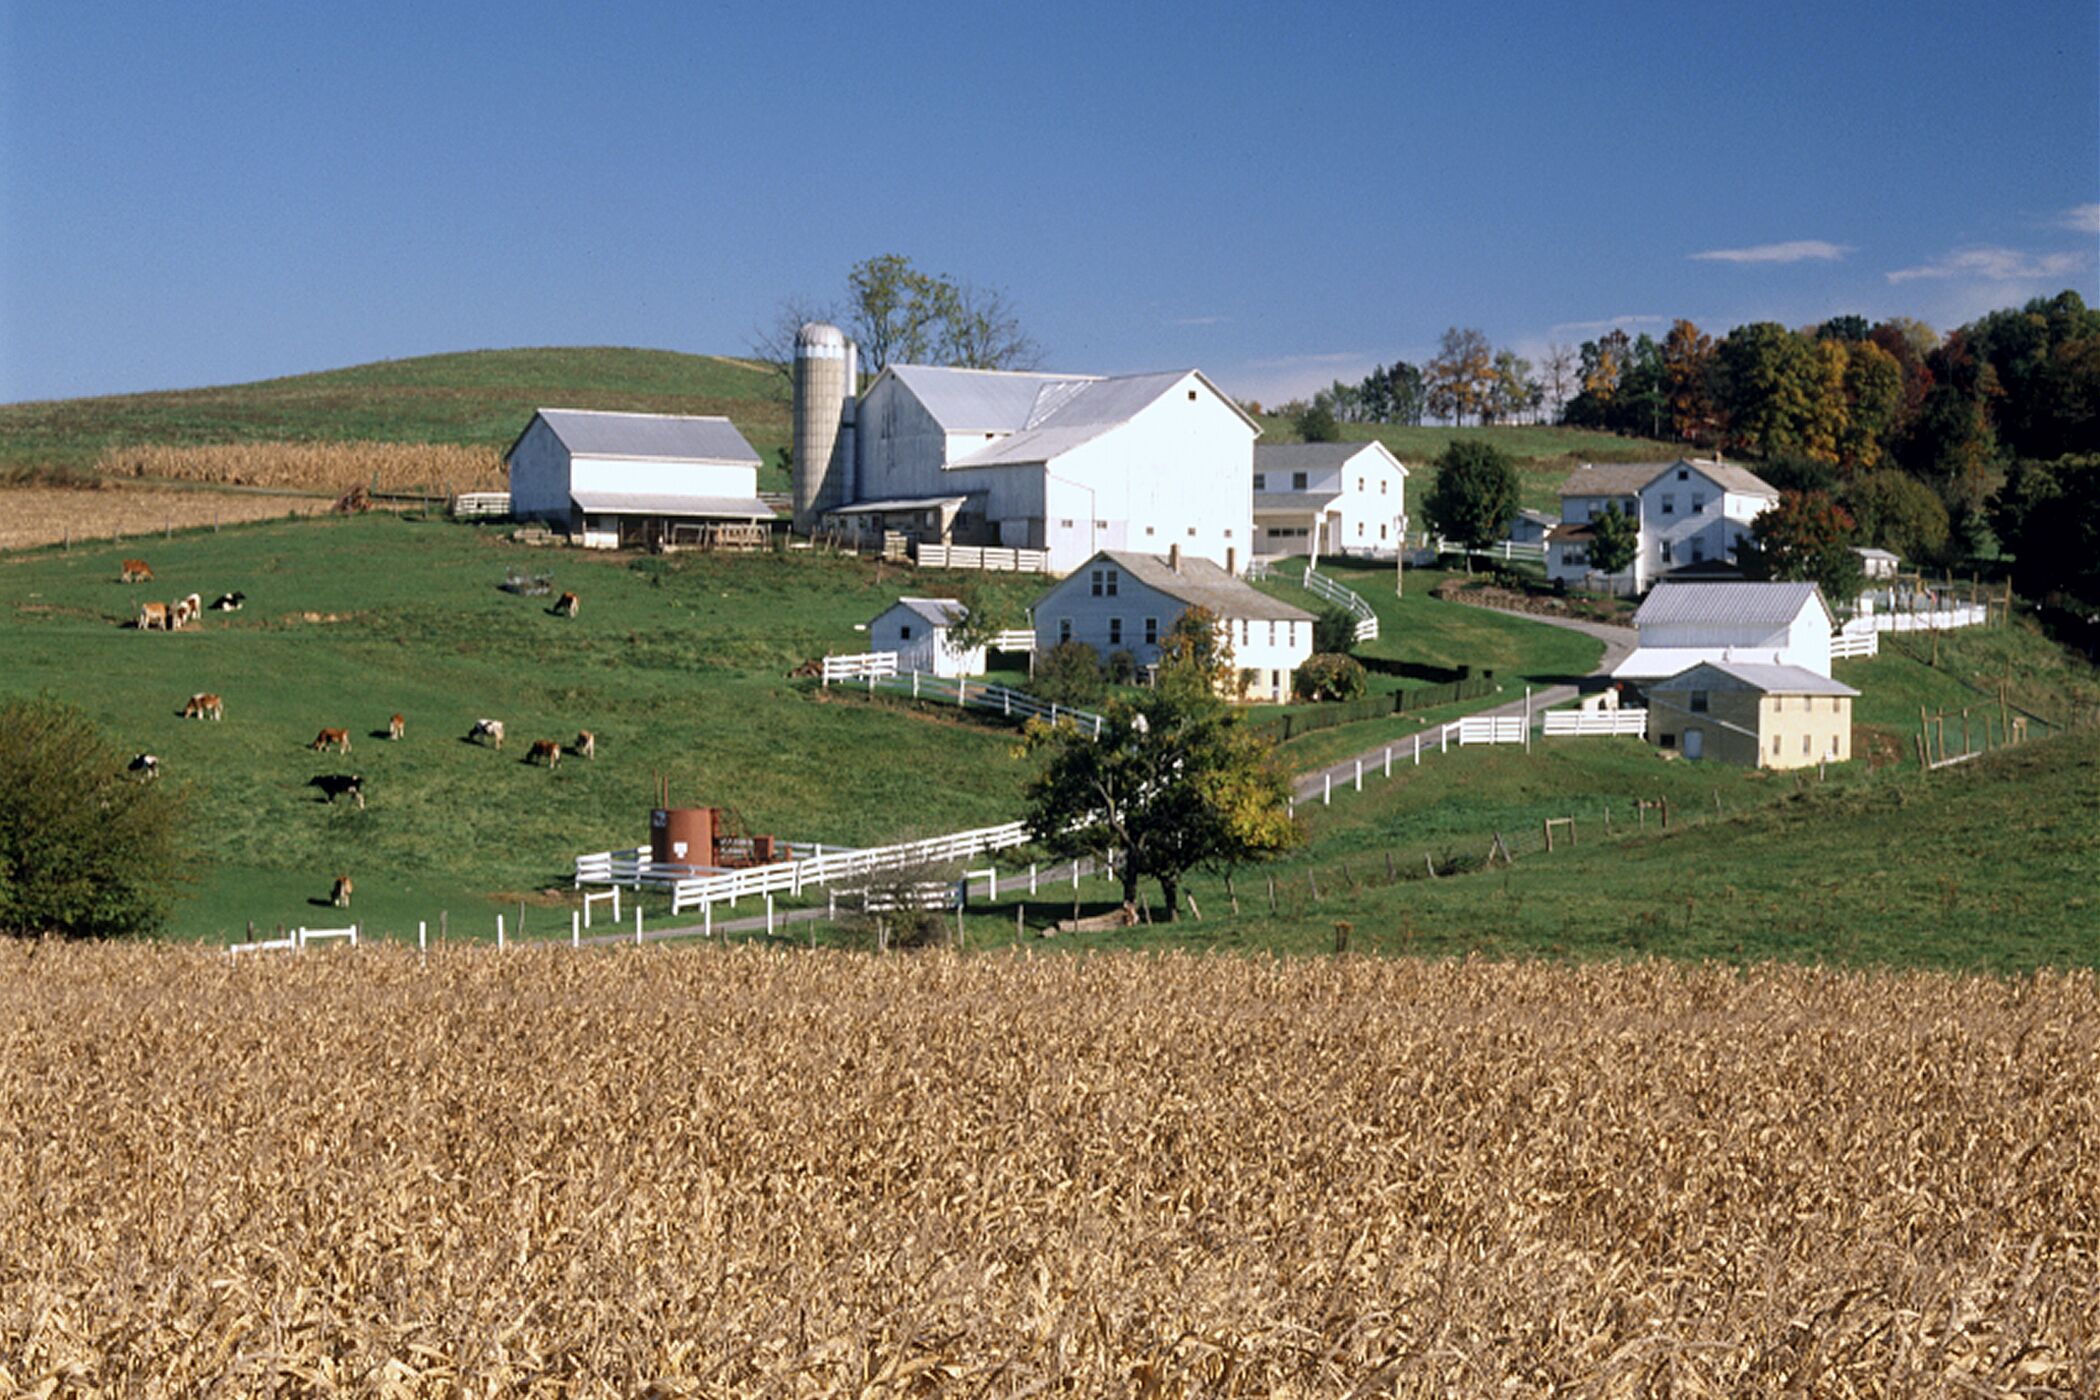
1323, 587
1848, 644
480, 505
863, 665
989, 558
983, 695
1594, 723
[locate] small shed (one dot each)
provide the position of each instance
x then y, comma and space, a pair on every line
920, 631
1755, 714
1876, 563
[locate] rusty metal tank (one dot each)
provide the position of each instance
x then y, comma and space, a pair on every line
682, 836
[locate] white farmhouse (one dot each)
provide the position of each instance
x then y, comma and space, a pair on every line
1066, 463
1119, 600
1691, 512
1328, 498
1684, 624
613, 479
919, 631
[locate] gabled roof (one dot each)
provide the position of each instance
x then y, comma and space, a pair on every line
1773, 604
1312, 456
1040, 416
1198, 582
659, 503
939, 612
1762, 676
672, 437
1612, 478
1538, 517
1730, 477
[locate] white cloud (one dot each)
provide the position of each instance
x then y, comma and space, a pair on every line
1201, 321
1992, 264
2081, 218
1798, 250
1609, 323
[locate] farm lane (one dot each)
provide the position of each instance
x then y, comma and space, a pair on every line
1618, 644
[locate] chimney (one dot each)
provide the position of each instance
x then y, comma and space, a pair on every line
1232, 560
1174, 557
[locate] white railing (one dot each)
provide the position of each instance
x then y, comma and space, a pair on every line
987, 557
481, 505
1017, 639
1505, 550
792, 877
1321, 586
983, 695
1486, 729
1593, 723
1844, 644
636, 868
864, 665
1927, 619
1257, 570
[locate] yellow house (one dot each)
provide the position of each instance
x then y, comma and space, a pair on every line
1758, 715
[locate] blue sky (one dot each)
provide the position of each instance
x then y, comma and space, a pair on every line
206, 194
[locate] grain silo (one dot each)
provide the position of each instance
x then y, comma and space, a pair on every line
826, 373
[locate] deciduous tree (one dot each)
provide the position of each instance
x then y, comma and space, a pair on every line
1806, 537
1615, 538
1462, 376
1476, 494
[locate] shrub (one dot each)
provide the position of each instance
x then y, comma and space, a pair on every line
1334, 630
85, 852
1330, 676
1068, 674
1122, 667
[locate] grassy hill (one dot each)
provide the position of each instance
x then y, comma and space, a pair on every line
477, 398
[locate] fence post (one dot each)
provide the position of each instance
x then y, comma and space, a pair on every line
422, 936
1527, 719
1359, 775
769, 913
1389, 760
500, 944
707, 919
637, 925
1326, 788
1418, 748
1443, 739
1031, 877
575, 929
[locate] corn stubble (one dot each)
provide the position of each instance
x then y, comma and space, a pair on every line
724, 1173
324, 466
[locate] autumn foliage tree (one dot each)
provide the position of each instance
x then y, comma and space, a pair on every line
1806, 537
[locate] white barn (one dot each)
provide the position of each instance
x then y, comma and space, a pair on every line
1684, 624
613, 479
918, 630
1070, 464
1320, 498
1119, 600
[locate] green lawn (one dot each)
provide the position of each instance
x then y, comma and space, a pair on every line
477, 398
679, 665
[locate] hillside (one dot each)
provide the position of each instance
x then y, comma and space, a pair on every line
478, 398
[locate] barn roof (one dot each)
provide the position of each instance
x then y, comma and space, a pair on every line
1774, 604
1762, 676
669, 437
1039, 416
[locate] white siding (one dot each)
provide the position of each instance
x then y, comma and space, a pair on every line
1115, 623
921, 646
660, 478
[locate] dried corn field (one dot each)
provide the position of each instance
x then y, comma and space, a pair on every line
41, 515
326, 466
723, 1173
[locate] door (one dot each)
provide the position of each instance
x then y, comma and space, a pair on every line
1694, 742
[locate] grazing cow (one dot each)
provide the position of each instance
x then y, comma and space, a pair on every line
339, 895
566, 606
147, 766
135, 571
152, 616
586, 743
489, 729
204, 706
396, 727
229, 602
185, 612
547, 749
335, 786
338, 737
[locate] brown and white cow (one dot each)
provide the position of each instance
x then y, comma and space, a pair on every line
489, 729
338, 737
152, 616
339, 894
184, 612
396, 727
547, 749
135, 571
204, 706
586, 743
566, 606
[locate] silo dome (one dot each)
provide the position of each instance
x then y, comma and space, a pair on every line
820, 333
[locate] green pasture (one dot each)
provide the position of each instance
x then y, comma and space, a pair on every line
1544, 455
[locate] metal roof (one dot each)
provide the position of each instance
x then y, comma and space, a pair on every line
1772, 680
671, 437
940, 612
1199, 583
900, 503
1040, 416
1302, 456
640, 503
980, 400
1776, 604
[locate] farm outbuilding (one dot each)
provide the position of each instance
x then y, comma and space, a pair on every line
612, 480
920, 631
1683, 624
1753, 714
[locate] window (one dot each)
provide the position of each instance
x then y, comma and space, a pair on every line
1381, 530
1064, 524
1148, 529
1698, 503
1382, 484
1111, 583
1272, 633
1096, 581
1775, 746
1359, 483
1228, 532
1115, 631
1804, 746
1064, 629
1683, 475
1698, 702
1669, 740
1192, 532
905, 632
1261, 481
1669, 505
1246, 631
1359, 529
1297, 481
1192, 396
1151, 631
1698, 551
1666, 555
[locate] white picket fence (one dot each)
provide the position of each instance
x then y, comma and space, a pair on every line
984, 695
1506, 550
1596, 723
792, 877
987, 557
481, 505
1324, 587
635, 868
1942, 618
297, 939
1016, 639
1486, 729
1846, 644
861, 665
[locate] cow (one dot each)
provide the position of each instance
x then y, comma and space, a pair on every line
489, 729
586, 743
204, 706
184, 612
147, 766
339, 894
152, 616
396, 727
229, 602
135, 571
547, 749
338, 737
565, 606
335, 786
